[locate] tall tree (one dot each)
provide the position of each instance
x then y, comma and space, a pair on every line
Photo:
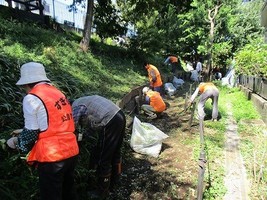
155, 22
107, 20
212, 13
84, 44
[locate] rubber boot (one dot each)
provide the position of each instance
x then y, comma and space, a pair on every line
102, 191
115, 177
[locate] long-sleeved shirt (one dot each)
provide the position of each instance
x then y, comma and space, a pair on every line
35, 121
95, 110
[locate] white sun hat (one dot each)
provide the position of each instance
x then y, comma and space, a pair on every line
32, 72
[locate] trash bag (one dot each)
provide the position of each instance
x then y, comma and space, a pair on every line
169, 89
146, 138
194, 75
177, 82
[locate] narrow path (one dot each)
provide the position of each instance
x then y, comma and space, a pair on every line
235, 179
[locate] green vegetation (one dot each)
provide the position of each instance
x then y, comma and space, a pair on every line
180, 27
252, 59
252, 138
252, 143
74, 72
109, 71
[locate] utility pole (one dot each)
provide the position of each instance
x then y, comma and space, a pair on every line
73, 10
54, 15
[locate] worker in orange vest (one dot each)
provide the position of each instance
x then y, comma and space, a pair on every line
154, 76
154, 104
48, 134
175, 63
207, 90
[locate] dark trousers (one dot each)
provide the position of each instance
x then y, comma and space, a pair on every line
174, 68
56, 179
107, 152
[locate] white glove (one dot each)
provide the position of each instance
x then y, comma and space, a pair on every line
12, 142
16, 132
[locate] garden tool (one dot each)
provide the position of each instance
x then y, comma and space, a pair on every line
189, 105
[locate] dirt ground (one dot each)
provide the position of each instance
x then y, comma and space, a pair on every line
173, 175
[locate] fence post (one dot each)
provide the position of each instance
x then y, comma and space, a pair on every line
202, 162
185, 100
192, 115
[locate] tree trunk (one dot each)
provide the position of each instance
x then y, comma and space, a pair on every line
84, 44
211, 15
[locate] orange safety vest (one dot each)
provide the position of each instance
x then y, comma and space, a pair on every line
173, 59
204, 86
58, 141
158, 82
156, 101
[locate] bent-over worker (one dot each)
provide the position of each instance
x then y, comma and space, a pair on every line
207, 90
100, 115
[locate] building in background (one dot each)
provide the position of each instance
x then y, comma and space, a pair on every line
60, 11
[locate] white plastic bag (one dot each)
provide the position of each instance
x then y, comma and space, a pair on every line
169, 88
194, 75
177, 82
146, 138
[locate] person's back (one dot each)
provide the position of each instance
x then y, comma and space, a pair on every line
48, 133
156, 101
98, 115
57, 129
207, 90
205, 86
154, 77
99, 108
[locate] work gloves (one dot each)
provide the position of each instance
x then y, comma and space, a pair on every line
12, 142
16, 132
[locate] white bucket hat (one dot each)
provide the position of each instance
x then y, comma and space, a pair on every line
145, 90
32, 72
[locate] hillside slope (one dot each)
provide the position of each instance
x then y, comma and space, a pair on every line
110, 71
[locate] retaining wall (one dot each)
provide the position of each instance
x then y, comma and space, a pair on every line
259, 102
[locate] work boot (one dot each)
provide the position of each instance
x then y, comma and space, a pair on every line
102, 191
152, 116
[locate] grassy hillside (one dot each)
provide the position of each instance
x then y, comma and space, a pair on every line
109, 71
112, 71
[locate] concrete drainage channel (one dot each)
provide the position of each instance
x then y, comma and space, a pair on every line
236, 178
